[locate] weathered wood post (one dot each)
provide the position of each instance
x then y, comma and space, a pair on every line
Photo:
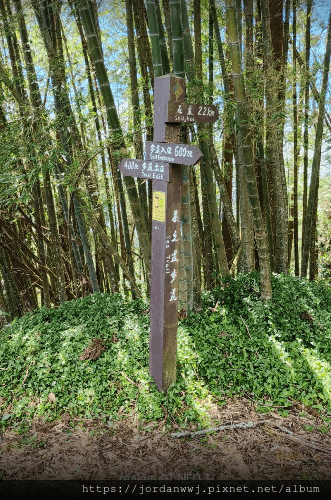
164, 157
165, 242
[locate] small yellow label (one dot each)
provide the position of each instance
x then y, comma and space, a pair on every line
159, 206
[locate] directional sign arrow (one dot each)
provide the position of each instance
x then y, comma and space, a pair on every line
182, 154
145, 169
191, 113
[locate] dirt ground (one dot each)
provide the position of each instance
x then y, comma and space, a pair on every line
273, 448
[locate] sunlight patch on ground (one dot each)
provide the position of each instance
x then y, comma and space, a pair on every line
123, 358
131, 329
280, 347
321, 369
198, 398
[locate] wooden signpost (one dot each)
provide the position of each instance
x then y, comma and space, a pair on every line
164, 157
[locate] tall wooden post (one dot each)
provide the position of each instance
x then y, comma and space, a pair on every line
164, 157
165, 242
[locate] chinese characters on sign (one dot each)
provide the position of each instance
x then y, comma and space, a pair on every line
172, 256
171, 259
145, 169
181, 154
191, 113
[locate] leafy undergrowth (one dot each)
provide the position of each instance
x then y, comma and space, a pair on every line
274, 353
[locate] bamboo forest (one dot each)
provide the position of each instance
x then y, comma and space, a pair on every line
165, 214
77, 96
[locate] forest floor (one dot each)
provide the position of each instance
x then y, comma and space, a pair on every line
275, 448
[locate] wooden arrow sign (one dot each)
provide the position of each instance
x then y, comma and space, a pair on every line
181, 154
181, 112
158, 170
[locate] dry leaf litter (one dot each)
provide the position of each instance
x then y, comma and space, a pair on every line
250, 445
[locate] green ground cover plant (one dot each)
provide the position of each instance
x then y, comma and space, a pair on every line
276, 353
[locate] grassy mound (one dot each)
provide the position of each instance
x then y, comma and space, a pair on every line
275, 353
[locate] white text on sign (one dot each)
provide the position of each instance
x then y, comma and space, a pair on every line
191, 113
184, 154
145, 169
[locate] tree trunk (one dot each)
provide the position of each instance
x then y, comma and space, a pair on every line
306, 117
295, 148
154, 34
196, 243
275, 167
163, 44
245, 143
56, 248
314, 182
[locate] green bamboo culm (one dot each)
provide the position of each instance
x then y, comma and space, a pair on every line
186, 256
97, 58
52, 40
163, 44
89, 23
188, 45
245, 143
177, 37
153, 27
117, 138
136, 111
274, 144
314, 182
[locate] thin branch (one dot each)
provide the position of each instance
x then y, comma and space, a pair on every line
242, 425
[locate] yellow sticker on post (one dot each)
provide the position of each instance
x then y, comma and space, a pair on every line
159, 206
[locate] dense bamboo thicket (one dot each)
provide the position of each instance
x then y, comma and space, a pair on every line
76, 96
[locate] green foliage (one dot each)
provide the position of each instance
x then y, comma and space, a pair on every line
40, 355
274, 352
280, 349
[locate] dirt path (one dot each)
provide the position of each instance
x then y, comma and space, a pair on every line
281, 449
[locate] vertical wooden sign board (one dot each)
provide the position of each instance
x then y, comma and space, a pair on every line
165, 241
